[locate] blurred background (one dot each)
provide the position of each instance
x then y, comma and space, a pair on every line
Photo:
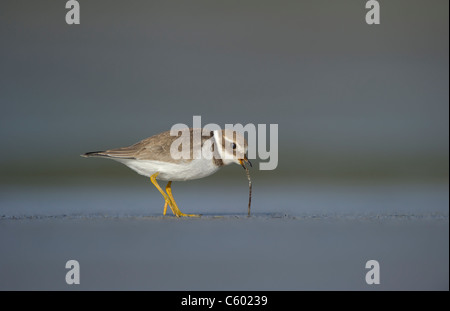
363, 115
352, 101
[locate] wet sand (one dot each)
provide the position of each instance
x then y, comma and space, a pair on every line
276, 248
264, 252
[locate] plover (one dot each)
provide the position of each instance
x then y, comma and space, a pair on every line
152, 157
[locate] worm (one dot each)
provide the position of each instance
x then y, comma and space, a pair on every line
249, 190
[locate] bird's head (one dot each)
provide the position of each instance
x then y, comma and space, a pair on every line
232, 147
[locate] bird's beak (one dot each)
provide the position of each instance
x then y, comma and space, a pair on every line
245, 160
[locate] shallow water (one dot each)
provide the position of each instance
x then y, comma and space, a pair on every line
300, 237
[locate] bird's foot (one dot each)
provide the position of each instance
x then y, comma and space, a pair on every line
178, 213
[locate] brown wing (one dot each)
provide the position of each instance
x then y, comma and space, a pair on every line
155, 148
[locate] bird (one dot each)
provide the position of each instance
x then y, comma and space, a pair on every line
161, 157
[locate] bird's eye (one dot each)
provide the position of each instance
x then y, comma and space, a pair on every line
233, 145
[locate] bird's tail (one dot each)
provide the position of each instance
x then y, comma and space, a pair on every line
94, 154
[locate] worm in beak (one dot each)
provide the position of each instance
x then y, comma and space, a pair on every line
245, 160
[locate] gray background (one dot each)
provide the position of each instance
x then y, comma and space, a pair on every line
349, 98
363, 143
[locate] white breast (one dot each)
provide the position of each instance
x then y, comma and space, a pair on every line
170, 171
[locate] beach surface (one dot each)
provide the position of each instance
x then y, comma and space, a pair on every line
306, 237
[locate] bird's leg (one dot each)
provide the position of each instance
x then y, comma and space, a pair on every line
166, 198
165, 208
177, 212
